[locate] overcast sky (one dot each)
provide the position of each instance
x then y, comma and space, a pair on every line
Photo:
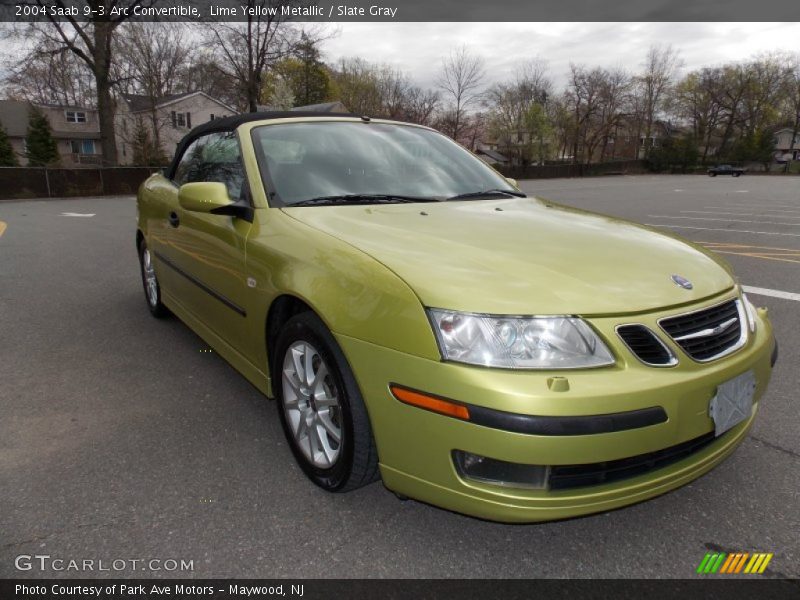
417, 48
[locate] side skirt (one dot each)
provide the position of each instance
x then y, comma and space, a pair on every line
252, 373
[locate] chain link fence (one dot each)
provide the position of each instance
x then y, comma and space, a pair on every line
620, 167
32, 182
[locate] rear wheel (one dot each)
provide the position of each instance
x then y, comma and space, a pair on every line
152, 289
320, 407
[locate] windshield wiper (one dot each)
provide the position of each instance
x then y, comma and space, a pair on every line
363, 199
483, 193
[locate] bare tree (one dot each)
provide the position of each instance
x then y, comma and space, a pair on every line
91, 40
421, 105
381, 90
660, 67
151, 57
615, 97
206, 76
517, 111
694, 101
359, 86
51, 74
762, 98
461, 79
245, 51
792, 95
584, 98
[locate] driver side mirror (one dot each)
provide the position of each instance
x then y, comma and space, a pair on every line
512, 181
212, 197
203, 196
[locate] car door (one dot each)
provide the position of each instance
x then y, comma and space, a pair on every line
208, 250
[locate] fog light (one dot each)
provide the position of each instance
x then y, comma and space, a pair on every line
499, 472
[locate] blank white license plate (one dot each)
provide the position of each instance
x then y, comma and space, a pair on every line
733, 402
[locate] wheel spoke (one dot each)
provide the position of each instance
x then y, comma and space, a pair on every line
314, 442
297, 356
317, 386
308, 365
302, 428
324, 419
310, 404
324, 400
290, 377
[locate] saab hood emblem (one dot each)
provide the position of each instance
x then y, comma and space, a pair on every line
682, 282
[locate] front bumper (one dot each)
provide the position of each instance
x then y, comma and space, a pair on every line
415, 446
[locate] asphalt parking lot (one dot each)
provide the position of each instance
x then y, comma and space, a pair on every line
121, 439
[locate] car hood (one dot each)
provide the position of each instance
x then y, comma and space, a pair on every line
523, 256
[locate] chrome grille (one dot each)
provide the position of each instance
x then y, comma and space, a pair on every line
645, 345
709, 333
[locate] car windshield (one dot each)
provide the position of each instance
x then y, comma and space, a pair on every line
332, 161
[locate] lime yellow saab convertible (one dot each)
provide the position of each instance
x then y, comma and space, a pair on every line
420, 320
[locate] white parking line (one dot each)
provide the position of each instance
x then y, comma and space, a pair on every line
726, 220
719, 212
759, 291
669, 225
764, 208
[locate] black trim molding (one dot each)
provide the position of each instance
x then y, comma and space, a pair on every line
557, 426
230, 304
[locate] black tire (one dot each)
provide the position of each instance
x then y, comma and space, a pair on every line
357, 462
736, 174
712, 174
154, 305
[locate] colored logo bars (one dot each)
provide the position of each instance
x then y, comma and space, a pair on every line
735, 562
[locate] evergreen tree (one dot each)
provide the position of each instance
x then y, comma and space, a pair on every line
145, 151
299, 80
676, 154
7, 156
42, 149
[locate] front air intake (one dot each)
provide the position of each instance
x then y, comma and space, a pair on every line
645, 345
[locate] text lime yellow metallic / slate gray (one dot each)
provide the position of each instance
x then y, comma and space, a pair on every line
371, 272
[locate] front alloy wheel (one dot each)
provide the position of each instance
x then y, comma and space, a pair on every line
311, 404
152, 290
321, 408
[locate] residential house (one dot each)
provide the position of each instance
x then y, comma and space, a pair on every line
76, 130
785, 148
165, 119
513, 148
491, 157
14, 118
630, 140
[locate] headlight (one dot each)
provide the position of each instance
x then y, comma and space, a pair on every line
751, 312
518, 342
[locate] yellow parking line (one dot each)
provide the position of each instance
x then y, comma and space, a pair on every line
791, 255
2, 227
734, 245
764, 256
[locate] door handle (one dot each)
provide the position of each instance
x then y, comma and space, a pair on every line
173, 219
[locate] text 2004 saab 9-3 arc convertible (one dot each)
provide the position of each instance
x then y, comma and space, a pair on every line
420, 320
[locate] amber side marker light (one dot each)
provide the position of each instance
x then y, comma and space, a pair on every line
432, 403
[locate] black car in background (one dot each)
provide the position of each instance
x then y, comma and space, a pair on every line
725, 170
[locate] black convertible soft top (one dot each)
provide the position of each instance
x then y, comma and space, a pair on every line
232, 122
